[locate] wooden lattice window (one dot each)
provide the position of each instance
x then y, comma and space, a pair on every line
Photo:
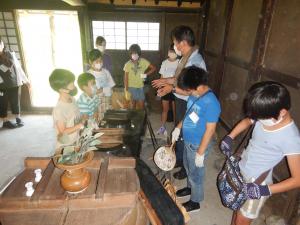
8, 32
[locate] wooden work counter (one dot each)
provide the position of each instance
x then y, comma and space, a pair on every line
111, 197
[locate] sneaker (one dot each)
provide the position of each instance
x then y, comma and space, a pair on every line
180, 175
19, 122
9, 124
161, 130
191, 206
183, 192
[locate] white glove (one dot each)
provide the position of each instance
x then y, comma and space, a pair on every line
175, 134
199, 160
143, 76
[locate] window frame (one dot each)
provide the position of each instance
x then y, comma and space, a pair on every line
114, 21
127, 45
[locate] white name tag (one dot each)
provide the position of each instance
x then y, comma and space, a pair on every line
3, 68
143, 76
194, 117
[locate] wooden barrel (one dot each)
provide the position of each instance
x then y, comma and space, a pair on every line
111, 197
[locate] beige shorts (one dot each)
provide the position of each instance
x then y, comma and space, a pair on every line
252, 207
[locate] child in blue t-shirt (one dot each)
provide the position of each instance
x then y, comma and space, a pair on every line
88, 101
275, 135
198, 127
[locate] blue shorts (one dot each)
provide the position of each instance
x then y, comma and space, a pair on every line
137, 94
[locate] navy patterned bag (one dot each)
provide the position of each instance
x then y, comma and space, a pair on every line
230, 181
231, 184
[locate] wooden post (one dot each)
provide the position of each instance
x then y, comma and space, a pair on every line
261, 40
179, 3
257, 69
221, 60
205, 15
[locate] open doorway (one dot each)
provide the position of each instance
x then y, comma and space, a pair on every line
49, 39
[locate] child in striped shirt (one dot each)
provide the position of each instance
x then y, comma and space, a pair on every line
88, 101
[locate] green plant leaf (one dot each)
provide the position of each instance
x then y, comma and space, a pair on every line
68, 149
91, 149
95, 142
86, 133
86, 143
97, 135
68, 158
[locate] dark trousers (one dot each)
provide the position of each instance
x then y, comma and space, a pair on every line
11, 96
180, 106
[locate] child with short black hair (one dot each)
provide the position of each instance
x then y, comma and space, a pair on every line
136, 70
198, 127
104, 81
275, 135
167, 70
66, 114
101, 46
88, 101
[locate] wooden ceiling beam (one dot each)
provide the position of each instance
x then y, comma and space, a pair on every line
191, 1
149, 3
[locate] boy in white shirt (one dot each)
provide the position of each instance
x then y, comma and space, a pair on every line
104, 80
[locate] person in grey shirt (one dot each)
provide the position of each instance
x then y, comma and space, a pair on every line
184, 45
